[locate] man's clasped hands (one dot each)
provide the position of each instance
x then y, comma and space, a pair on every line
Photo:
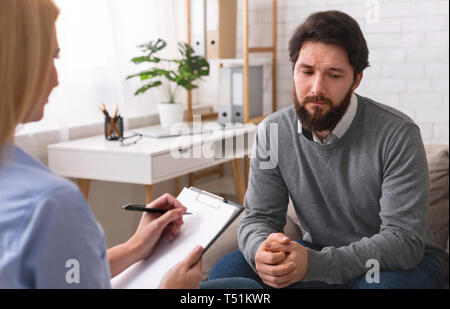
281, 262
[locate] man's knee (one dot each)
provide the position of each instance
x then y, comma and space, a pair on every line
231, 265
235, 258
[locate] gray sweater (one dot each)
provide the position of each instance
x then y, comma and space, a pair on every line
363, 197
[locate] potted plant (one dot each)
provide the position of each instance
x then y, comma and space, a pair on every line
170, 77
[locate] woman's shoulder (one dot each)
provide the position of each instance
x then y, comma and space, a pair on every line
21, 172
26, 184
44, 220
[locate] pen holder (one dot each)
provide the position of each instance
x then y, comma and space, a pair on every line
113, 128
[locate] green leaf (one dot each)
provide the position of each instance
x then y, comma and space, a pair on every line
140, 59
152, 46
143, 75
148, 86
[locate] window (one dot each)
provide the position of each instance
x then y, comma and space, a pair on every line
97, 40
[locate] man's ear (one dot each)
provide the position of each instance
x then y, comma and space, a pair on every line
357, 80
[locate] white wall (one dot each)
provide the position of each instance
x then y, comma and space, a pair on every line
408, 47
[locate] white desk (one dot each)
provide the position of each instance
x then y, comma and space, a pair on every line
151, 160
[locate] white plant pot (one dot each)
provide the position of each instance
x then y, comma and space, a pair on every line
170, 114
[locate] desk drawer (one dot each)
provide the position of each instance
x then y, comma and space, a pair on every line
169, 165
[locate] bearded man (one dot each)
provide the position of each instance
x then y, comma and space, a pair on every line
356, 172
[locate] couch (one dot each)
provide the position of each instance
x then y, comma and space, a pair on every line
438, 215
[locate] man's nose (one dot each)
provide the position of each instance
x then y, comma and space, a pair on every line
318, 86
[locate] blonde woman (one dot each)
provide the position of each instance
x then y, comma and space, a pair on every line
46, 226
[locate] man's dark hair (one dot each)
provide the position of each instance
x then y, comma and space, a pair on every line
332, 27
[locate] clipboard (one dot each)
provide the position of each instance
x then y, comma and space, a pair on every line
202, 195
211, 216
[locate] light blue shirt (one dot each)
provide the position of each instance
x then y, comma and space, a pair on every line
49, 237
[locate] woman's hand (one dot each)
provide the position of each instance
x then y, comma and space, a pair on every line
154, 226
185, 275
149, 232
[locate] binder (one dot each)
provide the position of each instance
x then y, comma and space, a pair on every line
221, 29
231, 92
211, 216
198, 26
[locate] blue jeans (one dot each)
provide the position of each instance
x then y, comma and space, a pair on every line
427, 275
230, 283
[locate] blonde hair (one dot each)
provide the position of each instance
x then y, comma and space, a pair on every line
27, 43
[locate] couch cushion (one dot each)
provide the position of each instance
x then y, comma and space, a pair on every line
438, 166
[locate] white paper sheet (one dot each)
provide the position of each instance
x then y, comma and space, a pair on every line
198, 229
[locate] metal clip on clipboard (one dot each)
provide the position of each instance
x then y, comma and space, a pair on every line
208, 199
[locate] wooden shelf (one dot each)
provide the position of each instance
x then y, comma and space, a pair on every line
249, 50
260, 50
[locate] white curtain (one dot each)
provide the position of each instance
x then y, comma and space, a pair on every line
98, 38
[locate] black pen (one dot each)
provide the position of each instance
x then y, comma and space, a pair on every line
147, 209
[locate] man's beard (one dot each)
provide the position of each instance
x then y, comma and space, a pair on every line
316, 122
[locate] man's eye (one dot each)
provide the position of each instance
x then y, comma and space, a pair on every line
307, 72
336, 76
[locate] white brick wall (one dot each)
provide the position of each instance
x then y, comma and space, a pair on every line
409, 53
